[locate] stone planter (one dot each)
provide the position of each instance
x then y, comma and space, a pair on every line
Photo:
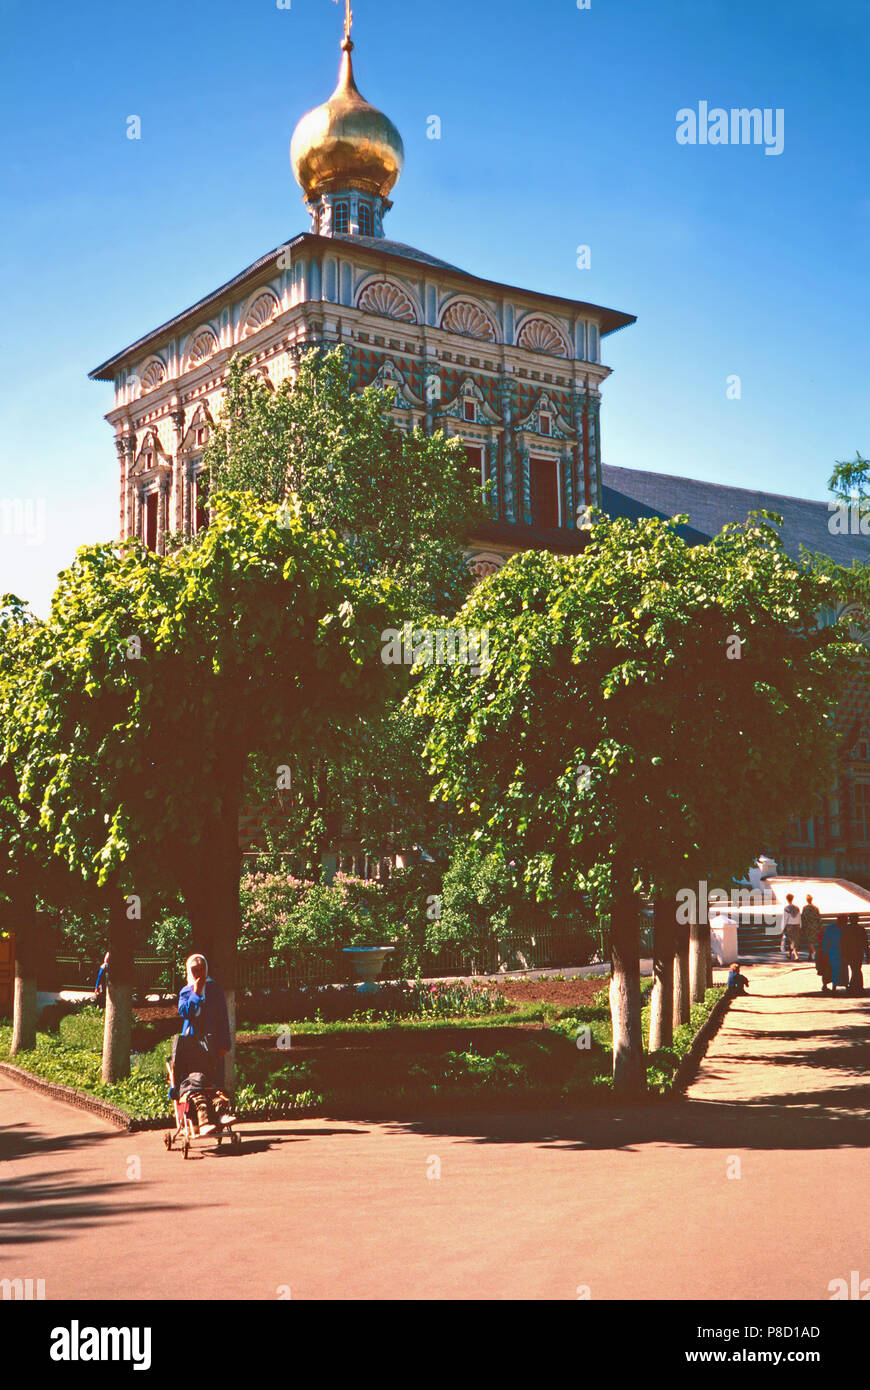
368, 962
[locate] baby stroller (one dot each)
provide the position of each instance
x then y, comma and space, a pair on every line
183, 1062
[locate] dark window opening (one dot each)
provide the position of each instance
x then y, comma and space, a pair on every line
365, 220
341, 216
152, 501
545, 492
474, 457
546, 424
469, 409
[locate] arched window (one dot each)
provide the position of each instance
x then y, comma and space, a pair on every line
153, 375
366, 224
203, 345
389, 300
539, 335
262, 311
462, 316
341, 216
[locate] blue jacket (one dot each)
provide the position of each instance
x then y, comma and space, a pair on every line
205, 1016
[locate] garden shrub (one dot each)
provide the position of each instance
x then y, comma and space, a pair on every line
484, 898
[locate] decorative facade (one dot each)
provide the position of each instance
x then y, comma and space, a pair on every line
515, 373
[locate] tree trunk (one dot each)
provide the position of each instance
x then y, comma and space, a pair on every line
118, 1023
661, 1013
629, 1074
681, 974
697, 962
24, 999
708, 955
212, 900
222, 968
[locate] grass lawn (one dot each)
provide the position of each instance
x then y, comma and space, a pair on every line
525, 1052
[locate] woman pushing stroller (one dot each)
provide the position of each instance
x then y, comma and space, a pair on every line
204, 1042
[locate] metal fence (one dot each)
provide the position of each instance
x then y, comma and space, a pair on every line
255, 973
151, 974
539, 950
534, 951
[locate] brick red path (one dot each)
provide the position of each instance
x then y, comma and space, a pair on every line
639, 1205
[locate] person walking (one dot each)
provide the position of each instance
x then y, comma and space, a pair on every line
829, 961
791, 928
811, 925
101, 985
203, 1006
853, 947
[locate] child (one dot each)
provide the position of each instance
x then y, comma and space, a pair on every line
737, 983
193, 1088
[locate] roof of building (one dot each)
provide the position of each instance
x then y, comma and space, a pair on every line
610, 319
634, 493
395, 248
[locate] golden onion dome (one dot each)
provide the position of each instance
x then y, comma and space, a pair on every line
346, 143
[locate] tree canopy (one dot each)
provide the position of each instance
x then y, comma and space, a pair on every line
403, 502
645, 698
850, 481
649, 710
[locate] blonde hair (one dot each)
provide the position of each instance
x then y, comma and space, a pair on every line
190, 962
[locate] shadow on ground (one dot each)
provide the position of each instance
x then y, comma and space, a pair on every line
53, 1205
259, 1141
824, 1120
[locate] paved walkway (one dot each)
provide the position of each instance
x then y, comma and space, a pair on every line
754, 1186
787, 1044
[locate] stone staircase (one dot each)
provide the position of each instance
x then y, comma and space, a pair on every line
758, 940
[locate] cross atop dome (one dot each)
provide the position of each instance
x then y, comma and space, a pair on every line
346, 156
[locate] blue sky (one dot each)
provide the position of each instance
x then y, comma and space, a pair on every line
558, 129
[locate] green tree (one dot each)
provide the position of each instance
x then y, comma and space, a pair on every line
22, 853
404, 502
368, 786
32, 878
648, 707
162, 675
850, 482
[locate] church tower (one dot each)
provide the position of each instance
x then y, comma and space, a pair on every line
346, 156
515, 373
